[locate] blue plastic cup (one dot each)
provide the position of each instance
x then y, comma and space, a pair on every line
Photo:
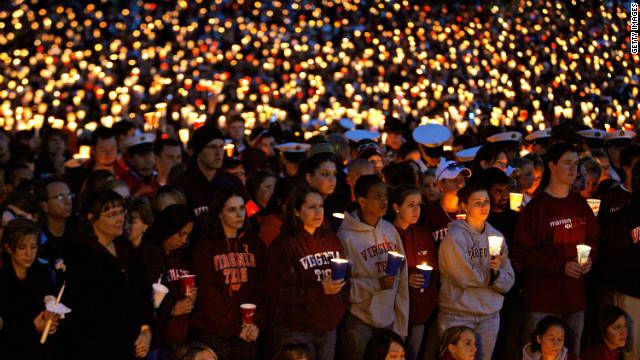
425, 270
394, 261
338, 269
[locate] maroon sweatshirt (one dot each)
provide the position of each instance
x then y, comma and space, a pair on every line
546, 236
436, 220
227, 275
297, 267
420, 248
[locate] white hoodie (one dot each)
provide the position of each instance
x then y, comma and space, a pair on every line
366, 248
465, 274
538, 355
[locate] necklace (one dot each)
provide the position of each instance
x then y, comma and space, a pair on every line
446, 212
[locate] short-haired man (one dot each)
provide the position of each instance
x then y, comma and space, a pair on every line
104, 155
355, 169
548, 230
168, 153
618, 197
56, 202
450, 176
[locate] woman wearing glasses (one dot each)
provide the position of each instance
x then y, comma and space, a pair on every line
106, 287
473, 280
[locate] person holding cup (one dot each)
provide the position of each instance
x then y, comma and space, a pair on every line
548, 230
378, 300
307, 302
474, 275
165, 260
24, 282
227, 261
420, 249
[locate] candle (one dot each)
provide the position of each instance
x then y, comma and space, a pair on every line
425, 271
229, 149
495, 245
338, 268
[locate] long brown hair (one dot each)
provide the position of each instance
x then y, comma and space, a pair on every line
291, 224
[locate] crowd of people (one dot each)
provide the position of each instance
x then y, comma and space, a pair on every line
187, 180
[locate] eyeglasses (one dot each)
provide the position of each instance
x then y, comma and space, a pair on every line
61, 197
454, 166
113, 214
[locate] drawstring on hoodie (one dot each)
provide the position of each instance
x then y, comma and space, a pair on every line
237, 285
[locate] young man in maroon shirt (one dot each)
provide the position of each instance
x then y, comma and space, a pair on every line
548, 230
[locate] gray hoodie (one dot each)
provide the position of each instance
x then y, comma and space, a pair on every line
465, 274
366, 248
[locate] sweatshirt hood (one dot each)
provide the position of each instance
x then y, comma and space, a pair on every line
352, 222
538, 355
464, 225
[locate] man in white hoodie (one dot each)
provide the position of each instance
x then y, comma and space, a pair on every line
473, 281
377, 299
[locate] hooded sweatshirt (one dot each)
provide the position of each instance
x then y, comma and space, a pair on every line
565, 354
366, 248
467, 284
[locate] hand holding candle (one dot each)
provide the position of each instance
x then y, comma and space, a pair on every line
338, 269
515, 201
583, 253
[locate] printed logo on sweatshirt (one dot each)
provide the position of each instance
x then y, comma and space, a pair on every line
378, 249
201, 210
319, 259
478, 253
563, 222
234, 266
174, 274
635, 234
438, 235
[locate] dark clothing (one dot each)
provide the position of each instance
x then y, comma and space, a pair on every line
546, 236
435, 220
21, 300
624, 247
110, 299
420, 248
75, 176
199, 190
601, 352
297, 266
610, 203
142, 186
505, 222
228, 273
169, 267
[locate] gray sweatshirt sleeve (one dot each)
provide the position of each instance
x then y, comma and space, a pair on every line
456, 264
362, 288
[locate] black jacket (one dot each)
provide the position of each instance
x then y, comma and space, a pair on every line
624, 248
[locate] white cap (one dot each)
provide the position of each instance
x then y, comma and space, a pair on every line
592, 133
507, 136
467, 155
538, 134
619, 135
138, 139
357, 135
347, 124
293, 147
431, 135
451, 169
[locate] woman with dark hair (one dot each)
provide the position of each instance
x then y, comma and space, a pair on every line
547, 341
307, 303
227, 262
474, 277
378, 299
611, 336
271, 222
420, 250
20, 204
384, 345
139, 218
195, 351
55, 151
261, 185
458, 343
24, 283
106, 287
165, 261
320, 172
490, 155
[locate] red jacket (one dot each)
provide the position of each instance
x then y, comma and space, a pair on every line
228, 273
269, 228
601, 352
297, 267
420, 248
546, 236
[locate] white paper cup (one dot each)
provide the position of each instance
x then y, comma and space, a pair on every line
159, 292
583, 253
595, 205
515, 201
495, 245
